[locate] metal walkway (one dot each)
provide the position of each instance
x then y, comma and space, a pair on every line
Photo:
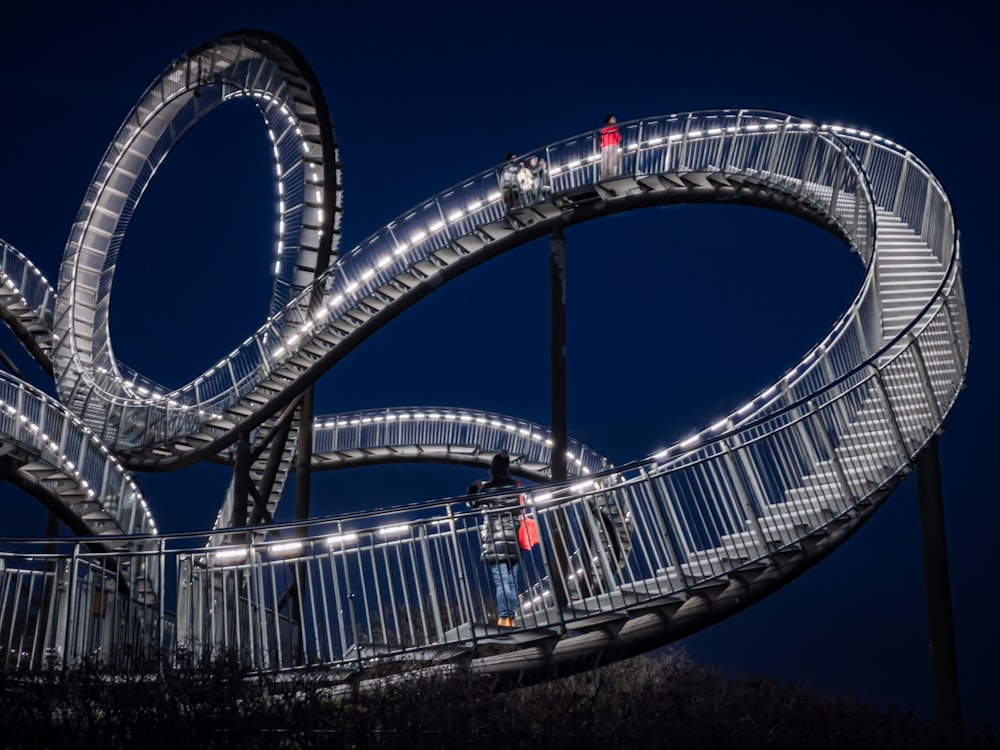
632, 557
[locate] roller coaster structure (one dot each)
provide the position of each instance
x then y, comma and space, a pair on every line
631, 557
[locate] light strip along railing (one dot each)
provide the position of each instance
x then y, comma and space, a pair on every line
691, 522
53, 437
448, 430
408, 582
683, 536
815, 166
693, 517
398, 583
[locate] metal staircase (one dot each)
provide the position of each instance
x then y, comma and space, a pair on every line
632, 556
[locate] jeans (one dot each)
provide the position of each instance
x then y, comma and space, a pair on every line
503, 578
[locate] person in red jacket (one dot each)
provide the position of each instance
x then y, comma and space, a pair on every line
611, 147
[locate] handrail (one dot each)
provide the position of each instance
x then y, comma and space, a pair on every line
53, 436
270, 348
370, 428
743, 505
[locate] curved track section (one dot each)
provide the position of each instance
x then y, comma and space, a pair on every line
715, 522
272, 74
443, 435
49, 452
27, 304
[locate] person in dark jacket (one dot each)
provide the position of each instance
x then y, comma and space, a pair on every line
508, 182
498, 535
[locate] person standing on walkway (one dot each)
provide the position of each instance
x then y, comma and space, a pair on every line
508, 183
611, 147
539, 178
501, 552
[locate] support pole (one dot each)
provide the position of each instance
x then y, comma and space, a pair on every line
9, 364
559, 557
303, 461
241, 480
557, 307
936, 580
303, 487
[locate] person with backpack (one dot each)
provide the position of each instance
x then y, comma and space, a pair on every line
501, 552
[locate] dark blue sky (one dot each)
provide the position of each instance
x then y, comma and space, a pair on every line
676, 315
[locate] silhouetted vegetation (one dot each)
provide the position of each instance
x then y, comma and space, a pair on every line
662, 701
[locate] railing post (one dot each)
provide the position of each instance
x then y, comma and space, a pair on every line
834, 458
800, 428
161, 584
547, 562
739, 483
69, 622
809, 160
956, 348
829, 377
462, 575
925, 379
638, 150
664, 502
925, 218
434, 604
898, 198
883, 397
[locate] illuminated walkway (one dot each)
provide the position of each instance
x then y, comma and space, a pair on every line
632, 557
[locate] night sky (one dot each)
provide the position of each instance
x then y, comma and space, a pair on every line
675, 315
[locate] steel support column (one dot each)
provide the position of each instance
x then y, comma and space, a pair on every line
557, 310
303, 460
936, 580
303, 487
557, 357
241, 480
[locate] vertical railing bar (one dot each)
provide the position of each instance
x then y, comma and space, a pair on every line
270, 569
431, 587
465, 585
71, 603
926, 382
337, 602
834, 458
887, 407
326, 635
744, 497
661, 499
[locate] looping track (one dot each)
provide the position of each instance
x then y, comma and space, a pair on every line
632, 556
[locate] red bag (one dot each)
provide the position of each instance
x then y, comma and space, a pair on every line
527, 532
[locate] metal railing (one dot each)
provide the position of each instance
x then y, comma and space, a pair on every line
779, 151
408, 583
448, 431
55, 450
263, 69
20, 277
829, 440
